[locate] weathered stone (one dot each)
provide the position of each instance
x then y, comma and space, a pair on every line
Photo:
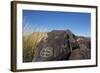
85, 47
57, 46
75, 54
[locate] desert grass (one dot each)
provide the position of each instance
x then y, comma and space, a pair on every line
30, 43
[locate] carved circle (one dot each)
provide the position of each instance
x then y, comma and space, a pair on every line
46, 52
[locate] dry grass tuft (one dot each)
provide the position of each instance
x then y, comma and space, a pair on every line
29, 44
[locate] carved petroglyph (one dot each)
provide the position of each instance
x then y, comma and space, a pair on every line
46, 52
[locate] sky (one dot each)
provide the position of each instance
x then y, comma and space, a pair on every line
46, 21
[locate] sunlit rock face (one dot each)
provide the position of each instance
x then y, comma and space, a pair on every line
84, 50
85, 47
57, 46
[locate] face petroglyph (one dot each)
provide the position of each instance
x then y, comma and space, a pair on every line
46, 52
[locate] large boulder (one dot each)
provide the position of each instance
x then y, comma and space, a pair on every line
57, 46
84, 50
85, 47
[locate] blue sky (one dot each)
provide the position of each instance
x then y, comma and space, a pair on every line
46, 21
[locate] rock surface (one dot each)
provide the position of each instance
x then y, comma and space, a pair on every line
61, 45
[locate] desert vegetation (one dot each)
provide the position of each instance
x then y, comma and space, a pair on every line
29, 44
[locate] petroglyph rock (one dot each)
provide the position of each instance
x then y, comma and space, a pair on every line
57, 46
